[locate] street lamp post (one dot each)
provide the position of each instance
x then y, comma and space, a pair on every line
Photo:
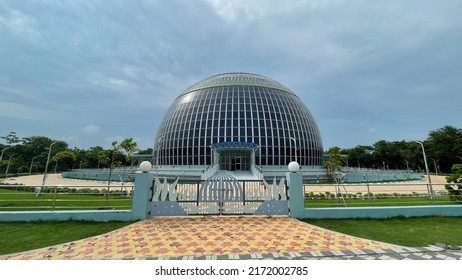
157, 154
114, 143
426, 168
1, 156
295, 143
8, 166
46, 165
436, 169
56, 166
32, 162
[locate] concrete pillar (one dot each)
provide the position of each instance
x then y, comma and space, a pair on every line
141, 196
296, 195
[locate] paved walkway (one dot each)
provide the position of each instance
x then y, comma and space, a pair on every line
228, 237
424, 253
58, 180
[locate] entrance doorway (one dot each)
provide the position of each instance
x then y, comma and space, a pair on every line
234, 156
235, 164
235, 160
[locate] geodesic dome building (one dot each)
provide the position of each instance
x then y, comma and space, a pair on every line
236, 121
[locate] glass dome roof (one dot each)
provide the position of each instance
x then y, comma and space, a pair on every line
236, 79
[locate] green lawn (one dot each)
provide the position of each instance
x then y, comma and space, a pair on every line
15, 200
376, 202
22, 236
414, 232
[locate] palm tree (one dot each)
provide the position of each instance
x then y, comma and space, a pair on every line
334, 169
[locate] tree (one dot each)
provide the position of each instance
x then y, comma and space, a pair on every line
26, 149
145, 152
103, 157
334, 169
389, 155
66, 159
130, 147
334, 163
37, 144
11, 138
455, 190
95, 157
360, 156
444, 145
115, 148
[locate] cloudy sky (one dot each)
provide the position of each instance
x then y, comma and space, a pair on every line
90, 72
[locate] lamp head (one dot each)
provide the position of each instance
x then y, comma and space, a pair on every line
145, 166
294, 166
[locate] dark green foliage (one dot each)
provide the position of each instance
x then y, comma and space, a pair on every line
455, 190
443, 148
445, 145
30, 154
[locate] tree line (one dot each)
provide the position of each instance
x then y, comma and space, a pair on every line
443, 148
29, 155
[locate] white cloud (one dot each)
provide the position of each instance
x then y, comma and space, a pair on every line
91, 129
232, 10
226, 9
111, 83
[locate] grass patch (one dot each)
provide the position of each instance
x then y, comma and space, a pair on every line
16, 200
378, 202
414, 232
22, 236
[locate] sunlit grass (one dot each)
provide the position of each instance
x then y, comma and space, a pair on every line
14, 200
390, 201
414, 232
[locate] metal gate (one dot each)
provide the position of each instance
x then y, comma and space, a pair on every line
221, 194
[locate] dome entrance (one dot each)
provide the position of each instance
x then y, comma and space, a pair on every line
235, 156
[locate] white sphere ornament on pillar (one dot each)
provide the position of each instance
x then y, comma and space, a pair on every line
145, 166
294, 166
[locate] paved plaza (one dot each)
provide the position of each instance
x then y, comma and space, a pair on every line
228, 237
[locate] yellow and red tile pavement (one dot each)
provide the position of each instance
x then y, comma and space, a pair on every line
203, 236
